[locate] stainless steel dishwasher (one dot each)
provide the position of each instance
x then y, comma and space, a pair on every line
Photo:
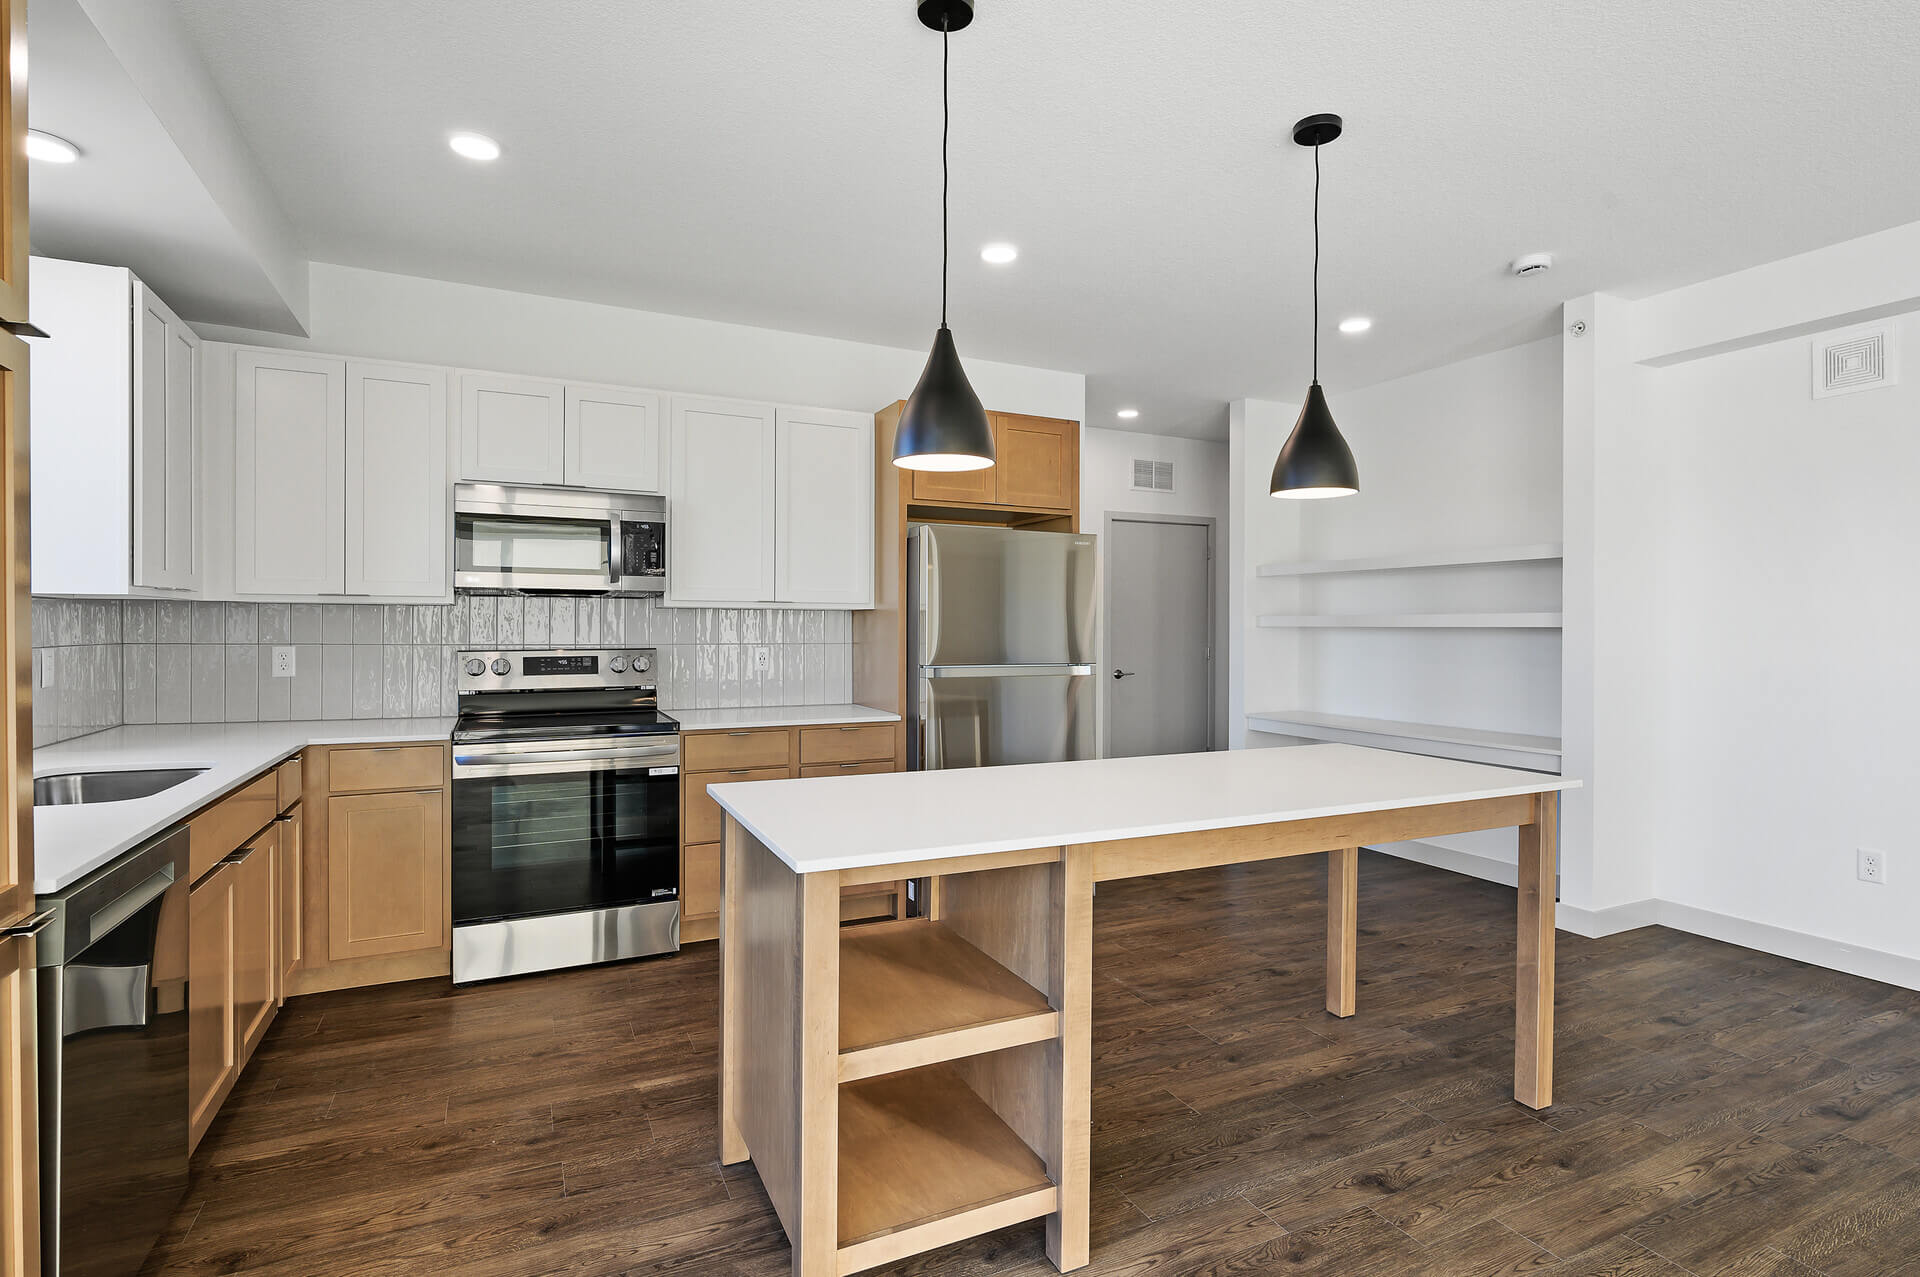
113, 1061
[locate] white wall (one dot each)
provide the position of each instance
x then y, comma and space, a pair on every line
1789, 688
383, 316
1200, 490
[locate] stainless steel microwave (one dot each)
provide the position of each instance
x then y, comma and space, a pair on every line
571, 540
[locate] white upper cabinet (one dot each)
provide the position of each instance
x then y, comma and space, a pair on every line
115, 436
290, 473
166, 454
823, 538
720, 500
512, 429
397, 523
614, 439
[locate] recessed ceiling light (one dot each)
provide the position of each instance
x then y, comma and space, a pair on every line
1127, 414
1355, 324
999, 253
54, 150
475, 146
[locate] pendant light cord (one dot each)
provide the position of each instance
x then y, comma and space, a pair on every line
1316, 264
946, 112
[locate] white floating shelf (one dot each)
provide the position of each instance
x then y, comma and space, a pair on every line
1402, 562
1418, 621
1469, 744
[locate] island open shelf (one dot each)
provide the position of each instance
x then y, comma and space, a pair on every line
914, 993
923, 1161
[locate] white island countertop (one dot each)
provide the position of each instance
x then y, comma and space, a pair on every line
710, 720
71, 842
851, 822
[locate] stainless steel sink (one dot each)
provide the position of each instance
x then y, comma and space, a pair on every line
69, 788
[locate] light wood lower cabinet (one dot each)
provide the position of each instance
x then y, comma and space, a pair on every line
375, 904
213, 1043
768, 753
289, 890
386, 874
256, 915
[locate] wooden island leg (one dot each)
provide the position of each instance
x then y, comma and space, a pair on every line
733, 1145
1343, 930
1533, 1001
1071, 1162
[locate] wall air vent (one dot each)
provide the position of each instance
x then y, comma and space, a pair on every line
1857, 359
1152, 476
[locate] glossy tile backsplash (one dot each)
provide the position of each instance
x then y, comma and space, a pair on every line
101, 663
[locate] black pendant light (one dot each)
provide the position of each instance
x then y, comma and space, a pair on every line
944, 427
1315, 461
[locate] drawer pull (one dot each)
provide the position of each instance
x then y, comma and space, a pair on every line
738, 771
739, 733
846, 765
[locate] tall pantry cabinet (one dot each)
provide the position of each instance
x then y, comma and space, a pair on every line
19, 1121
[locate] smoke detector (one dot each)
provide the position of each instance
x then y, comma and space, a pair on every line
1532, 264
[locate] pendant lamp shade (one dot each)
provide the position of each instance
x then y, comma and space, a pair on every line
1315, 461
943, 427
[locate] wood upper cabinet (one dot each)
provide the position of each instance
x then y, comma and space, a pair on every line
1036, 467
721, 495
823, 535
386, 874
966, 487
213, 1041
615, 439
512, 429
397, 522
290, 473
1039, 461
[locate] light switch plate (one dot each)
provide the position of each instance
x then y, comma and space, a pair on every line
283, 662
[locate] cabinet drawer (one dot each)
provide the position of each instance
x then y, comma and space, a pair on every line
222, 829
704, 819
366, 769
866, 742
724, 751
848, 769
700, 882
289, 779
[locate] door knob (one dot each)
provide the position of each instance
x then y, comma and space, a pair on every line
1120, 674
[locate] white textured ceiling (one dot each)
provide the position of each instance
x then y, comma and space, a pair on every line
777, 164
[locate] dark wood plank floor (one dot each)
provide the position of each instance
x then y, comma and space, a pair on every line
1720, 1112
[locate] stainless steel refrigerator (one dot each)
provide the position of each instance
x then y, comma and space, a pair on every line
1000, 646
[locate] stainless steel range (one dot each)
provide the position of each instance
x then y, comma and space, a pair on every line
566, 813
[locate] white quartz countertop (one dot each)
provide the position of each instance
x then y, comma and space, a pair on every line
72, 842
706, 720
848, 822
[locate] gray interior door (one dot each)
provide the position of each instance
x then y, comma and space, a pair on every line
1160, 693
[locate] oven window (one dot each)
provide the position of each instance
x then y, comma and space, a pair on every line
547, 547
555, 843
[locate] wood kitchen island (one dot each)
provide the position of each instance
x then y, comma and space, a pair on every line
909, 1084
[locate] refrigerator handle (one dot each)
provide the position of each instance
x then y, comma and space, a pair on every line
929, 597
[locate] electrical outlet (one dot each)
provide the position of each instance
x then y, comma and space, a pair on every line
283, 662
763, 659
1873, 866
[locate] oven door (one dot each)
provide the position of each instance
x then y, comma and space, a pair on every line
546, 828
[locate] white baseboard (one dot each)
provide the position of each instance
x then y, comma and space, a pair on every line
1835, 955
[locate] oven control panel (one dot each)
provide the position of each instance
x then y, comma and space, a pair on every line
567, 670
